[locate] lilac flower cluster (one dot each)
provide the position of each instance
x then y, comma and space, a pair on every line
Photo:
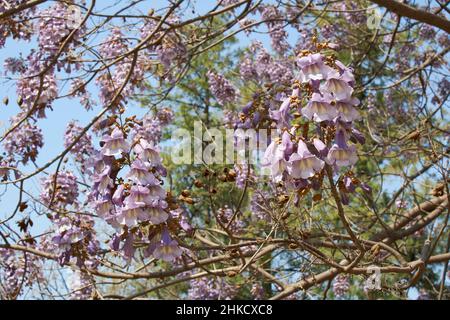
221, 88
274, 21
225, 215
258, 203
55, 24
127, 192
36, 87
244, 173
61, 190
152, 126
75, 238
213, 288
80, 286
17, 25
352, 13
14, 65
295, 158
78, 89
427, 32
258, 65
111, 80
83, 148
24, 141
17, 272
341, 285
170, 51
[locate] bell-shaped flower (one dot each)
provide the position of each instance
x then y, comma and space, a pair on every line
282, 115
139, 197
346, 110
103, 207
319, 108
147, 152
117, 197
102, 181
156, 215
275, 156
140, 173
168, 249
320, 146
313, 68
345, 72
303, 164
337, 87
130, 216
340, 153
115, 144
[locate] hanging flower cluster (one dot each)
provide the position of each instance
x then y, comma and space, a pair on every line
341, 285
213, 288
75, 237
83, 148
112, 79
221, 88
24, 142
128, 175
60, 190
322, 97
17, 272
170, 51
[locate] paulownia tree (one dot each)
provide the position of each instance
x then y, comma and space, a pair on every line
336, 113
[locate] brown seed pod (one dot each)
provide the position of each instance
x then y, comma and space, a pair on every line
198, 183
232, 173
283, 198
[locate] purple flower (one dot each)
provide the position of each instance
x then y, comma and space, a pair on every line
115, 144
147, 152
24, 141
275, 156
321, 147
130, 216
61, 190
83, 148
156, 214
102, 181
313, 68
282, 115
337, 85
303, 164
319, 108
340, 153
117, 197
182, 220
140, 173
142, 205
345, 72
103, 207
168, 249
139, 197
221, 88
341, 285
346, 110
